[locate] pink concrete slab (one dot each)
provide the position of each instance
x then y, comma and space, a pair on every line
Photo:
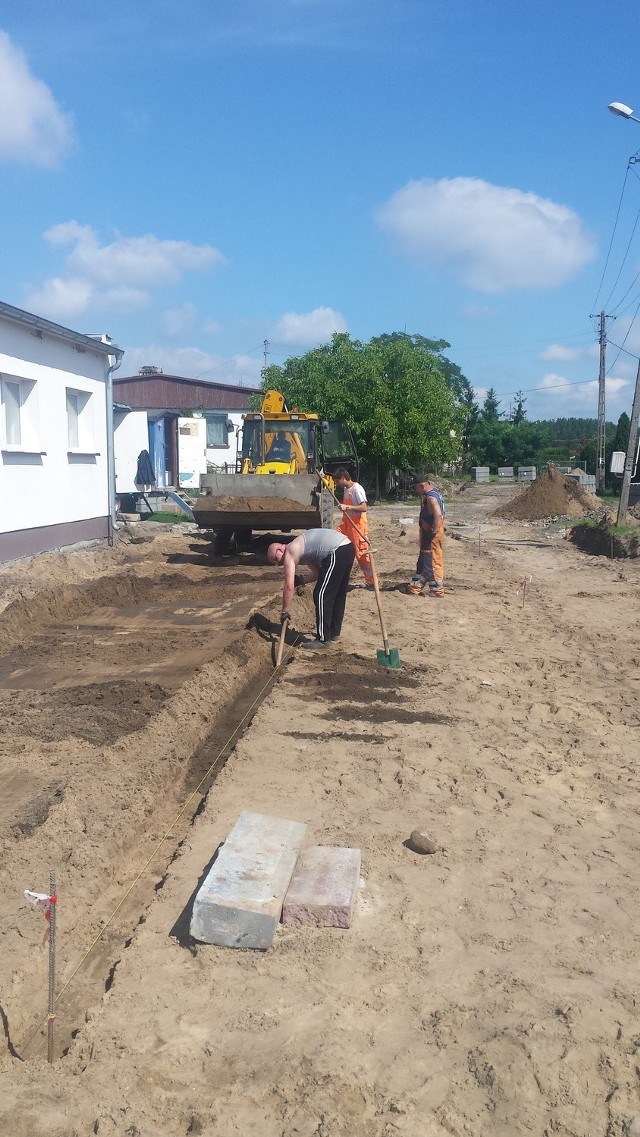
323, 887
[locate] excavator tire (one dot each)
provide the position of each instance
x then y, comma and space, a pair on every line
224, 542
243, 539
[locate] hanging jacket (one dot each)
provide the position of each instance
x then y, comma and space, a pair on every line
145, 473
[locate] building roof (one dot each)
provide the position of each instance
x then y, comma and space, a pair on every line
98, 343
156, 391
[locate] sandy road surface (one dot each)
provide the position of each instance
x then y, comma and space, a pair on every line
491, 988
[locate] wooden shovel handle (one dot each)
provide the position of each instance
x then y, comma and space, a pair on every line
283, 633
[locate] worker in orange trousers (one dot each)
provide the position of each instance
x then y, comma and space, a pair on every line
354, 509
430, 566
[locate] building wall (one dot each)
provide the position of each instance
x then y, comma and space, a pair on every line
45, 481
131, 435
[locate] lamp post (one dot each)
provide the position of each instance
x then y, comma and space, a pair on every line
624, 111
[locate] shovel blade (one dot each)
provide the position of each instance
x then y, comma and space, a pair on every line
390, 658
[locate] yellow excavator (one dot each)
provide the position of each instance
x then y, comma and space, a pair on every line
276, 485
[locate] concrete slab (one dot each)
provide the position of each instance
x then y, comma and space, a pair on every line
323, 888
240, 902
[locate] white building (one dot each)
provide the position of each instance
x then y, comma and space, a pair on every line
56, 435
191, 426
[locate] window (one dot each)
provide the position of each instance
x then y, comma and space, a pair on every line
12, 402
19, 421
80, 434
217, 434
73, 420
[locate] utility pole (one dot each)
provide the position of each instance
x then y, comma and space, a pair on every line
266, 354
631, 454
600, 461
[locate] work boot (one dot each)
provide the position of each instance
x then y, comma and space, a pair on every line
315, 645
416, 586
436, 592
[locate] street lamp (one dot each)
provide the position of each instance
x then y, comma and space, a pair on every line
623, 111
626, 112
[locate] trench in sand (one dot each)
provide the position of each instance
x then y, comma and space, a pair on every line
182, 670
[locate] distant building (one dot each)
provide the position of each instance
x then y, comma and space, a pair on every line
185, 424
56, 435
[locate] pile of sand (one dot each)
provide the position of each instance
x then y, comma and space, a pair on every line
551, 495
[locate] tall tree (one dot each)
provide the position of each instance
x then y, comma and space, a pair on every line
620, 439
519, 413
455, 378
491, 407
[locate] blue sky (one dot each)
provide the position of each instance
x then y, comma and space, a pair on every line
197, 176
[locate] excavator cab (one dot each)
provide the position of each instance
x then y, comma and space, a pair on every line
338, 449
276, 446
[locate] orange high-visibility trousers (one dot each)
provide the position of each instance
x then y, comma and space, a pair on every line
359, 542
430, 566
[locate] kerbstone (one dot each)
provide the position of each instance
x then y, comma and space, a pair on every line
240, 902
323, 887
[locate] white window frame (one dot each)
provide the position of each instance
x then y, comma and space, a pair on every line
81, 437
28, 418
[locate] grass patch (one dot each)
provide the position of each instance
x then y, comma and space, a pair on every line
611, 530
165, 517
602, 538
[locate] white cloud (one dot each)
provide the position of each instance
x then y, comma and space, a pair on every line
119, 275
306, 329
194, 363
552, 380
577, 391
556, 351
211, 327
479, 311
33, 128
178, 321
493, 238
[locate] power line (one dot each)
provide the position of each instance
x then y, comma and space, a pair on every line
613, 233
225, 362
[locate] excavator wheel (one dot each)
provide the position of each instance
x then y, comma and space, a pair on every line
224, 542
243, 539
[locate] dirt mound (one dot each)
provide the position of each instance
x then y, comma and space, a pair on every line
551, 495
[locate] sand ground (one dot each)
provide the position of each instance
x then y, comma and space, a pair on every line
489, 989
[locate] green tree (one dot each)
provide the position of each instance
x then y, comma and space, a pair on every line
391, 391
519, 414
486, 443
491, 407
620, 439
456, 381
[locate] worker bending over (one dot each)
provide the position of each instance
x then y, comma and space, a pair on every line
329, 557
430, 567
354, 510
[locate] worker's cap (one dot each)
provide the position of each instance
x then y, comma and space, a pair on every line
417, 481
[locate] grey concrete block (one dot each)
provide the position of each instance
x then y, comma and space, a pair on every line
323, 888
240, 902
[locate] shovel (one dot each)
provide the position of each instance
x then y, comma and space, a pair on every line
283, 634
386, 656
